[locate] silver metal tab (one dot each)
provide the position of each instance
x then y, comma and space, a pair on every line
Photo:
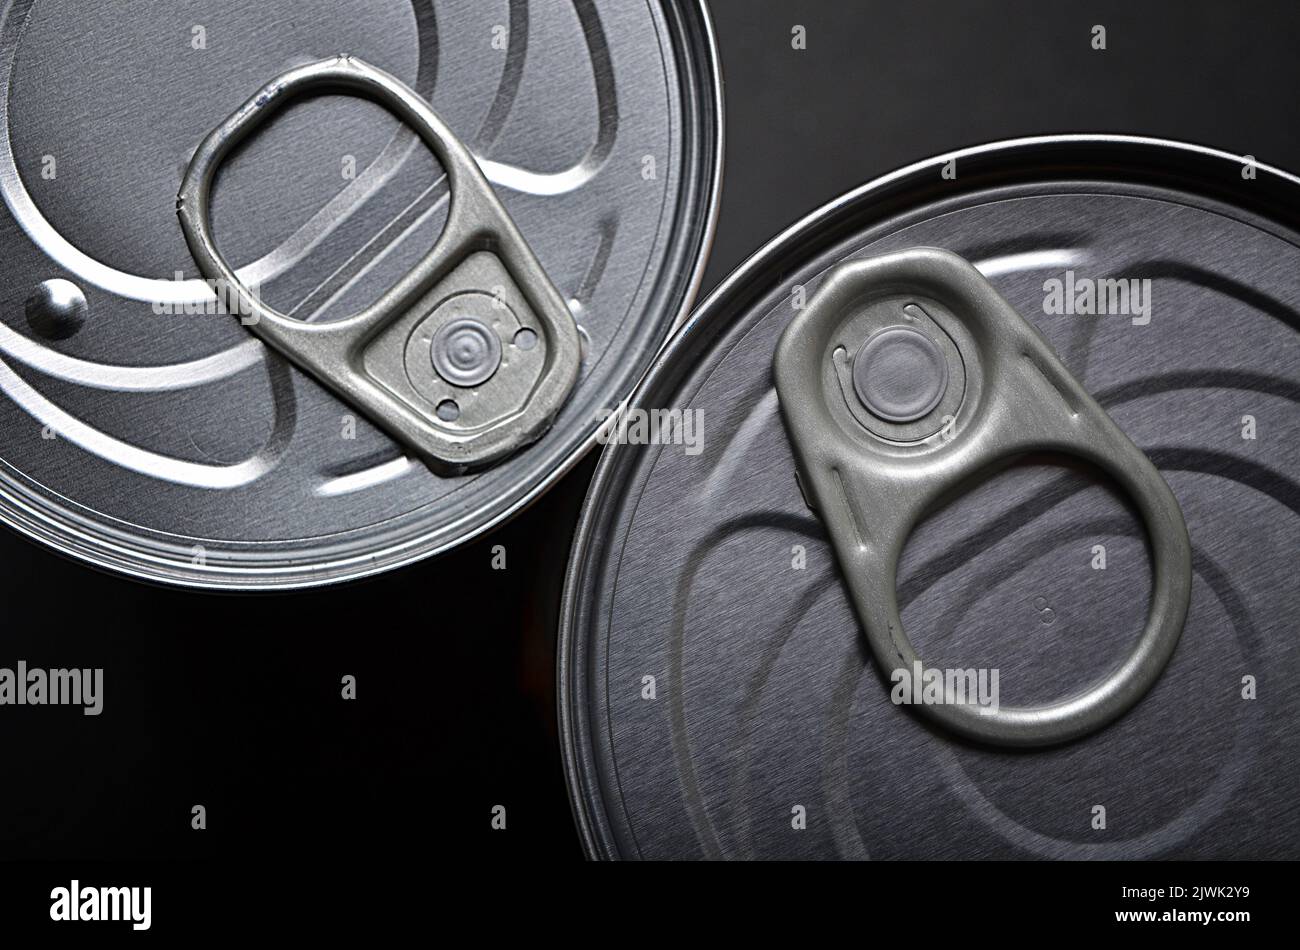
392, 360
1019, 398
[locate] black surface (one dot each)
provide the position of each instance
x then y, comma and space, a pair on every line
233, 702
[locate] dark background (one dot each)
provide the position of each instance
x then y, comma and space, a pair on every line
233, 702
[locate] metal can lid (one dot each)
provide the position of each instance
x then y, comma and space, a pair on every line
717, 696
148, 435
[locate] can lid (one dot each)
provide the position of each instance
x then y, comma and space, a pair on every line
718, 696
150, 433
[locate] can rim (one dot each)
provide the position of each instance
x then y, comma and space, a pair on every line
66, 535
1105, 152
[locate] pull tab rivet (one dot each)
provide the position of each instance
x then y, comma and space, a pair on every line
900, 374
466, 352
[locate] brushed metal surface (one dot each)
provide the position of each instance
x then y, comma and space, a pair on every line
183, 450
767, 697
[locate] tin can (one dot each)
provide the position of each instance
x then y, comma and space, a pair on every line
148, 432
718, 698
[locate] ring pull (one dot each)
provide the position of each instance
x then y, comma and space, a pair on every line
903, 378
425, 360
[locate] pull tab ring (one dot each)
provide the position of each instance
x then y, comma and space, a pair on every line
389, 360
961, 395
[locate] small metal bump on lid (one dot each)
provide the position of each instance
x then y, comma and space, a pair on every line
56, 309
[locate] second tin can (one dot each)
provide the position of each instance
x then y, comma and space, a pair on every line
732, 654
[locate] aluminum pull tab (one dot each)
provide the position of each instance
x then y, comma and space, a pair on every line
468, 357
905, 376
